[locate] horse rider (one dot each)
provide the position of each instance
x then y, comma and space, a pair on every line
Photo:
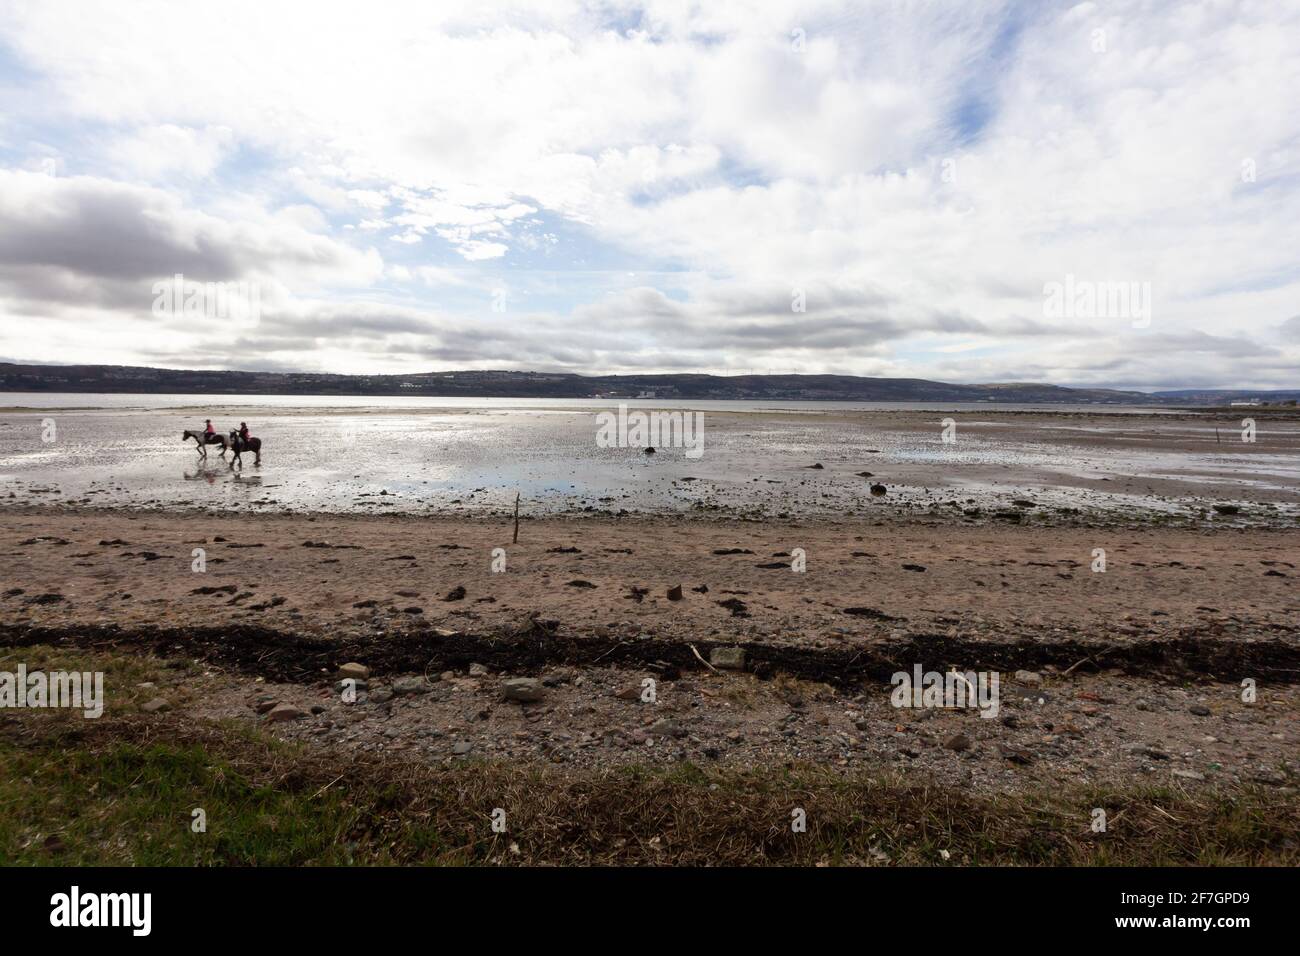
244, 434
208, 429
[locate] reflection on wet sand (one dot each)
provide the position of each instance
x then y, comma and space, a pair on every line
201, 474
755, 463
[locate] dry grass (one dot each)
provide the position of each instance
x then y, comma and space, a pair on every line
121, 791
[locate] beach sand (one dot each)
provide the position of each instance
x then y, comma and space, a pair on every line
667, 631
1122, 661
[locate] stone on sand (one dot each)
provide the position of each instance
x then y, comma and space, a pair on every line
728, 658
525, 690
283, 712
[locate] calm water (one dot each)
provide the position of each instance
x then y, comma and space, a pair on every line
145, 402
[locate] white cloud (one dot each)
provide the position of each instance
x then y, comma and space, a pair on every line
697, 138
153, 153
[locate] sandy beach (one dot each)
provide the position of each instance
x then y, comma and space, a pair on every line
1122, 658
1128, 583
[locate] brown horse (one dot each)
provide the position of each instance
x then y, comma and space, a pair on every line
238, 445
202, 439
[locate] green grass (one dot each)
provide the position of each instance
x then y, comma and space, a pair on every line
116, 794
120, 790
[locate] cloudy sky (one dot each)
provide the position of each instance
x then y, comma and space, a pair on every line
874, 188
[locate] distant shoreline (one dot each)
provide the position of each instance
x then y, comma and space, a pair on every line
511, 384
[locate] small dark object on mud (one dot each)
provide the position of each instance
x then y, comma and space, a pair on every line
870, 612
455, 594
879, 490
675, 592
737, 607
50, 598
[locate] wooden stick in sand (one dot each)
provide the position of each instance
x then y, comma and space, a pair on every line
516, 540
701, 659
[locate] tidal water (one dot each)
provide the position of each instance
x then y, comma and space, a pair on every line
425, 455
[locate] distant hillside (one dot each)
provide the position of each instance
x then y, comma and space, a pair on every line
512, 384
1226, 396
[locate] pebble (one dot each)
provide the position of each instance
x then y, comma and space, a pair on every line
405, 686
526, 690
728, 658
283, 712
666, 728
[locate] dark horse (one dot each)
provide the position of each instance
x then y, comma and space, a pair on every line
201, 439
239, 445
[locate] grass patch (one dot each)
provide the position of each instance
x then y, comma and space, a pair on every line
116, 791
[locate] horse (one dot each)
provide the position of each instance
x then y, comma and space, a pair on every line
239, 445
201, 439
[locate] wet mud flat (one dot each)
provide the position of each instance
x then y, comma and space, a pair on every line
1039, 466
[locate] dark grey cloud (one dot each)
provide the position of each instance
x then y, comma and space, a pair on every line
86, 241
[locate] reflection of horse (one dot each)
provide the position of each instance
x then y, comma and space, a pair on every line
201, 473
202, 439
240, 445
